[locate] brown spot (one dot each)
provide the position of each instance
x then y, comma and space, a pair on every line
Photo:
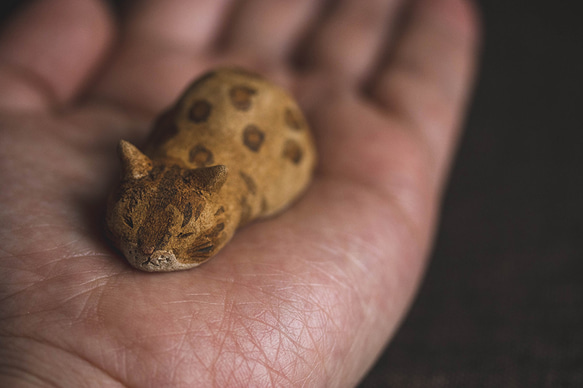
165, 128
201, 248
293, 119
220, 211
200, 111
241, 97
198, 211
186, 214
264, 205
292, 151
206, 249
253, 137
128, 221
184, 235
249, 182
201, 156
216, 230
245, 211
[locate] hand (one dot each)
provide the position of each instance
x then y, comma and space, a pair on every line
308, 298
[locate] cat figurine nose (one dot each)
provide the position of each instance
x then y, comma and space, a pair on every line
160, 261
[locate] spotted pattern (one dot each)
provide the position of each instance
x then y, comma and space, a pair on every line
202, 248
201, 156
128, 221
292, 151
189, 138
293, 119
186, 214
198, 211
249, 182
216, 231
241, 97
200, 111
253, 137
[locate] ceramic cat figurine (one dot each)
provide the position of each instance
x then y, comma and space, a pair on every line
234, 148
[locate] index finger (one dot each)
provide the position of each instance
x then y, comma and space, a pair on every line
426, 83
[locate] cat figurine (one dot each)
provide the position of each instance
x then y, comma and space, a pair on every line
234, 148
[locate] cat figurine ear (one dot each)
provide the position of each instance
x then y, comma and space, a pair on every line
134, 163
209, 179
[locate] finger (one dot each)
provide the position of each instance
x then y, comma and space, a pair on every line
357, 144
181, 24
50, 49
349, 40
425, 85
269, 30
161, 50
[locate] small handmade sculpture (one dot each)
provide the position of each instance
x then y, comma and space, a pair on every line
234, 148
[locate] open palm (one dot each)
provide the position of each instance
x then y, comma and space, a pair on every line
308, 298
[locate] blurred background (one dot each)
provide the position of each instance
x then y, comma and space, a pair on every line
502, 300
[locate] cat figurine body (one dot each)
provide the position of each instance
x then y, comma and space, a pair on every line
234, 148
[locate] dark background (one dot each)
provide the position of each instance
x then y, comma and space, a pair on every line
502, 301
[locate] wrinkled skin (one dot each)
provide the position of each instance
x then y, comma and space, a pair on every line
305, 299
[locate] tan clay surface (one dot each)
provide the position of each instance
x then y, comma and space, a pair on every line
234, 148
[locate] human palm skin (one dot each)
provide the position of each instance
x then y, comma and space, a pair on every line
308, 298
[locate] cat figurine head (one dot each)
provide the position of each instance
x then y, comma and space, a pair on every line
163, 204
